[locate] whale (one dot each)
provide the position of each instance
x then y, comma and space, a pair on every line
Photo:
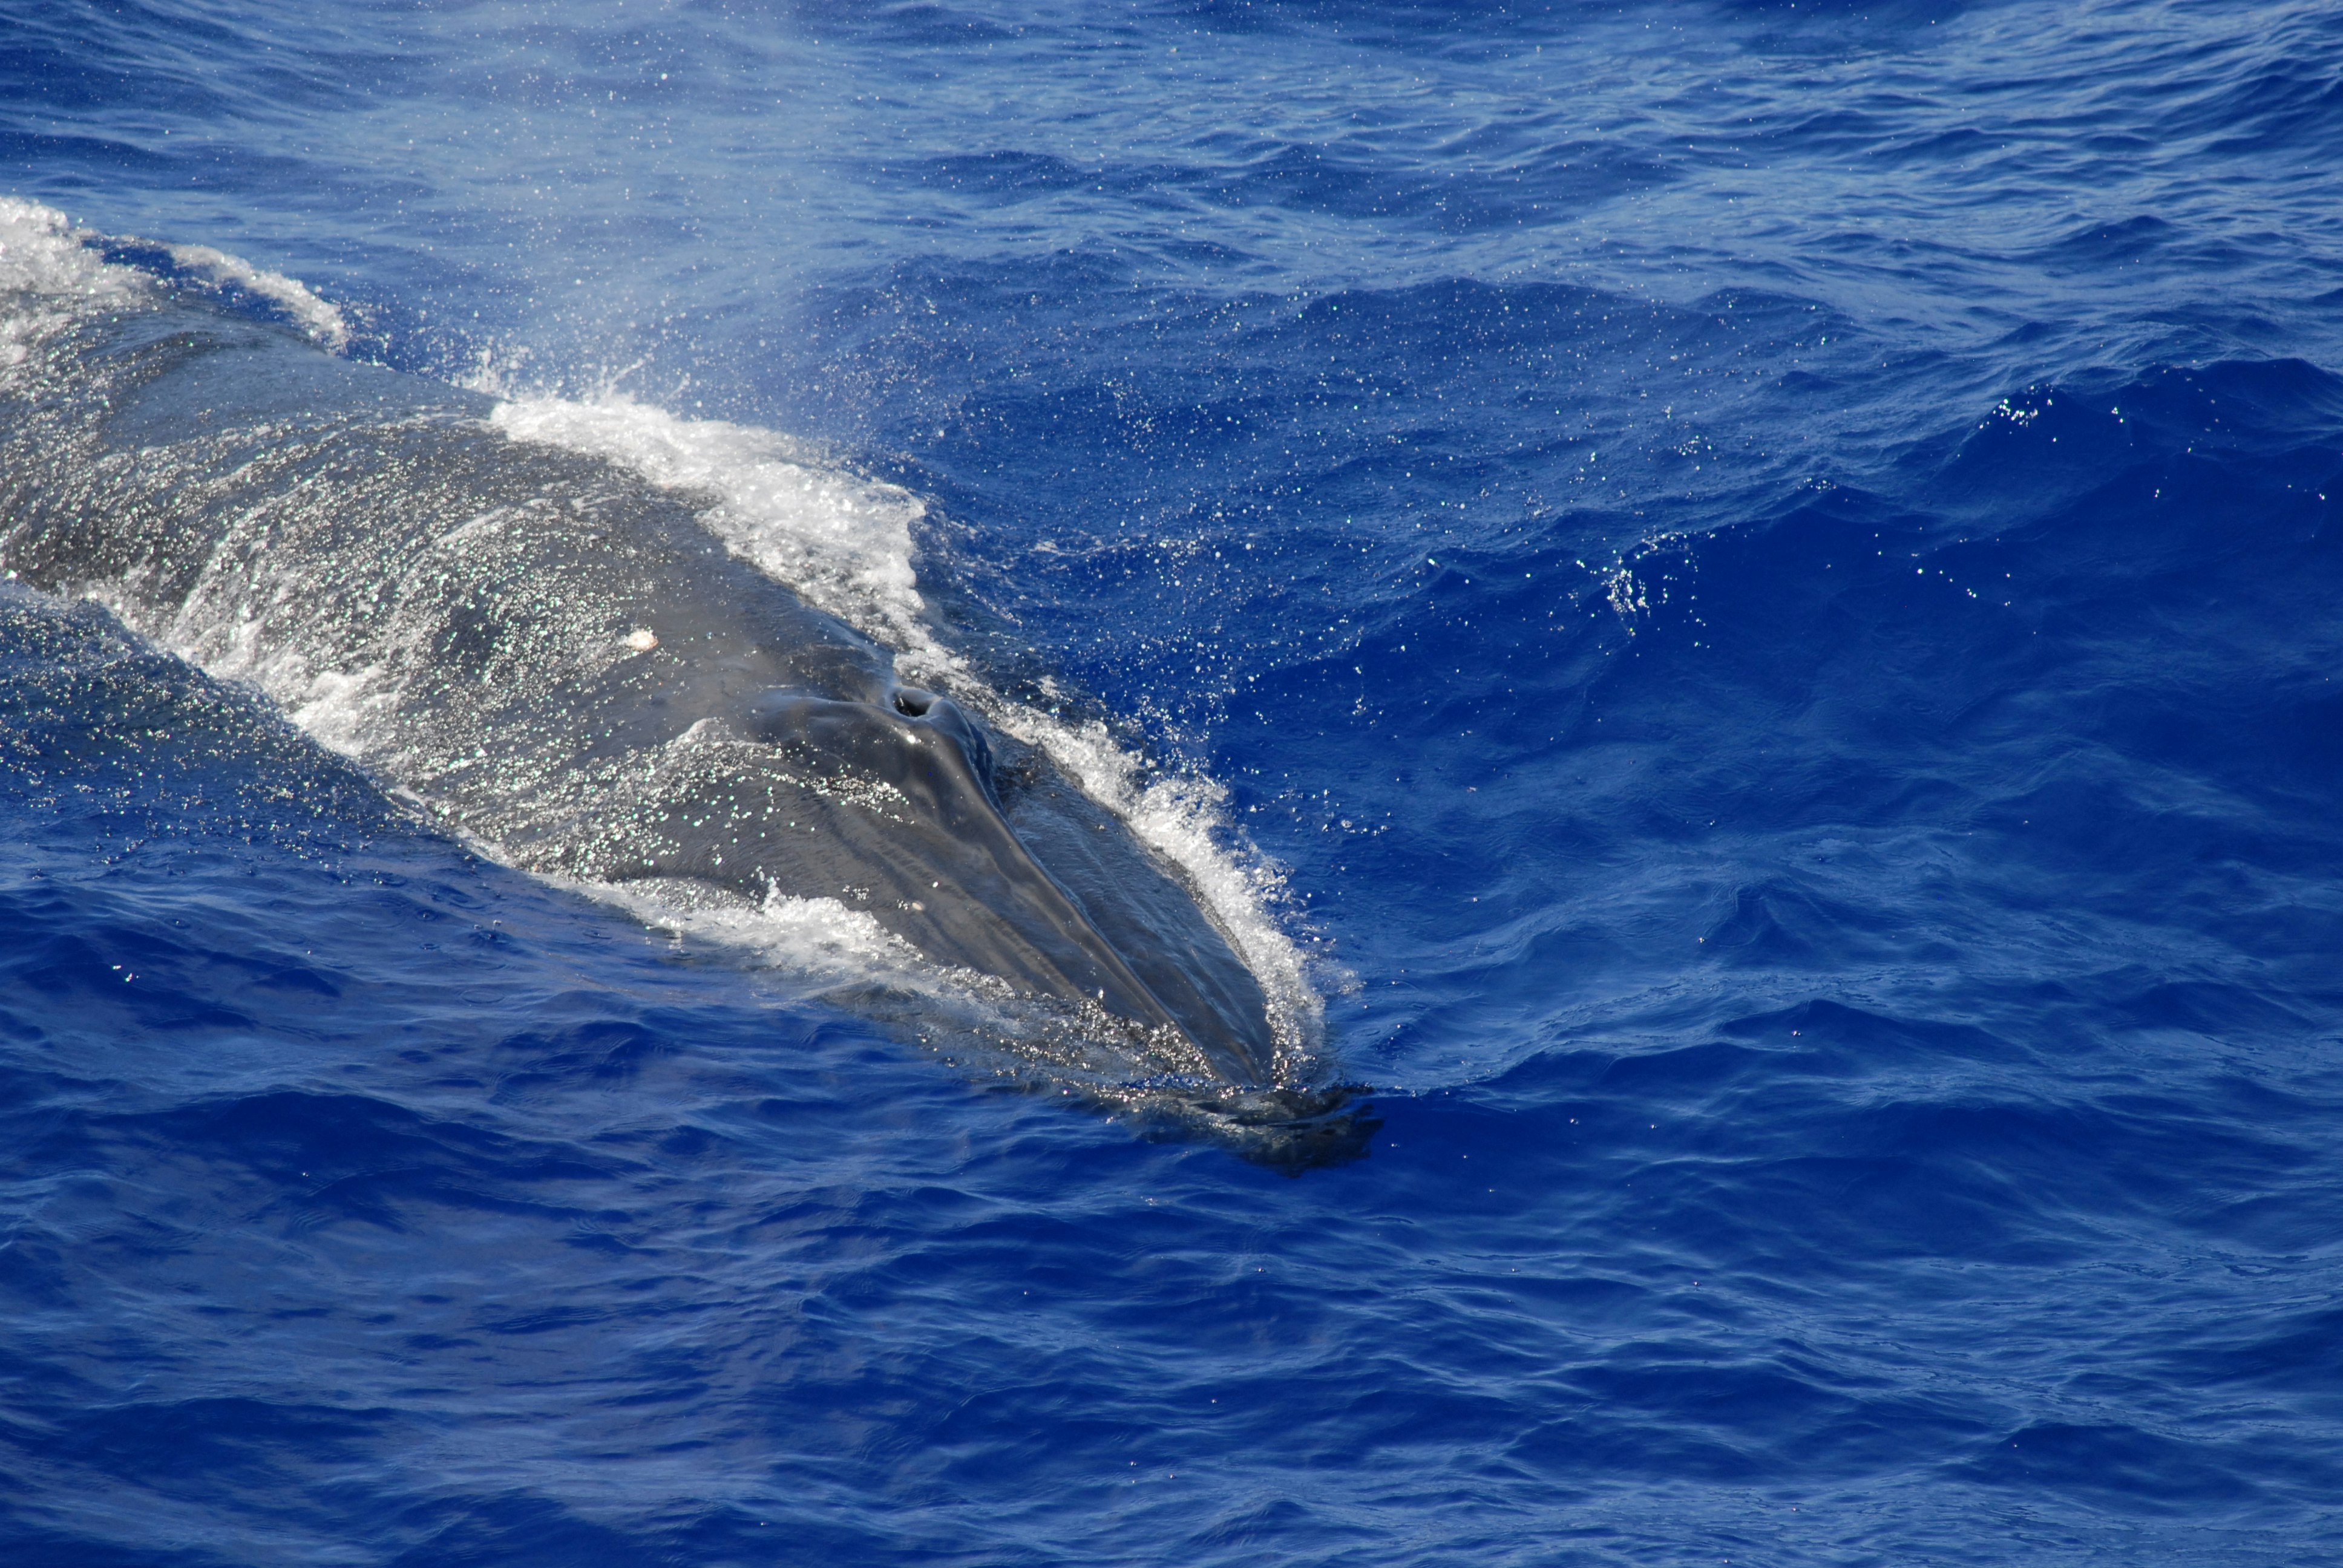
556, 658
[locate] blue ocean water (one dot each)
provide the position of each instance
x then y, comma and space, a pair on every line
1768, 573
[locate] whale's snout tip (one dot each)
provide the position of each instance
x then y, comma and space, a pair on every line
1290, 1129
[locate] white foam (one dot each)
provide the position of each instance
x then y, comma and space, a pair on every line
44, 256
818, 940
841, 542
226, 627
323, 323
54, 276
42, 253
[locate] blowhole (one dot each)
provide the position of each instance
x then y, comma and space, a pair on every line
914, 703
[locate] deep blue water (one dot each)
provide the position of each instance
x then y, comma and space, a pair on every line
1767, 572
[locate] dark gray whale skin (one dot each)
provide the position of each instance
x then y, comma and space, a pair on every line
321, 526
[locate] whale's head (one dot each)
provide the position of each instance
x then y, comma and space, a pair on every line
896, 807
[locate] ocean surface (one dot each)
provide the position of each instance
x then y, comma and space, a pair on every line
1741, 604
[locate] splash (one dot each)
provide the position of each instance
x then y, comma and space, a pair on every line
55, 276
840, 542
322, 322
